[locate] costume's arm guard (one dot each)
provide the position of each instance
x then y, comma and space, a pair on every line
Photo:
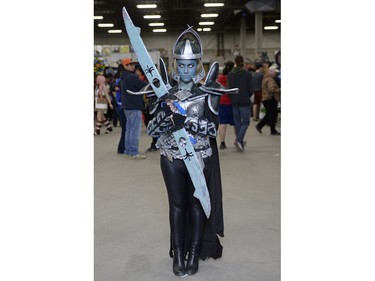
159, 124
201, 126
213, 104
214, 89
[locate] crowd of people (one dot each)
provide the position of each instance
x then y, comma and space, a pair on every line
259, 87
113, 103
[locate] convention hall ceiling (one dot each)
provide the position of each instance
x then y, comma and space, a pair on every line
177, 14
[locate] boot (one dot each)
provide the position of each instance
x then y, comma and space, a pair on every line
177, 217
179, 262
197, 224
193, 260
97, 129
108, 126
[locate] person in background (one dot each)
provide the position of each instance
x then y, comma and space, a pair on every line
257, 87
225, 107
270, 100
141, 75
278, 64
278, 76
110, 81
102, 97
147, 116
120, 112
241, 79
133, 106
249, 65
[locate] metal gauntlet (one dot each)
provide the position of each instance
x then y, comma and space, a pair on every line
159, 124
202, 127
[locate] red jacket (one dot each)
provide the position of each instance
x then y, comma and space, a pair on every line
224, 99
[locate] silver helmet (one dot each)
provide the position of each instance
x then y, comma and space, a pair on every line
188, 46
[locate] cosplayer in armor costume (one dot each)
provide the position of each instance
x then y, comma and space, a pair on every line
194, 106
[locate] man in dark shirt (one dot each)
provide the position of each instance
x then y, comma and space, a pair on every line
133, 105
241, 79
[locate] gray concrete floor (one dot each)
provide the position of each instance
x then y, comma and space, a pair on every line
131, 213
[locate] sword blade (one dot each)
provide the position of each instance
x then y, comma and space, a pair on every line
143, 56
195, 170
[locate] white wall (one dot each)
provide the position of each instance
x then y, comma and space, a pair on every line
271, 42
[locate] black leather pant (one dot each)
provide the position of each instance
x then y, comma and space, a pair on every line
181, 200
271, 115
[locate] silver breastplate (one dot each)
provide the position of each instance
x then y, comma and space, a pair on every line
194, 108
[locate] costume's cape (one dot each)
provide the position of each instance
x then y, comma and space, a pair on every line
214, 226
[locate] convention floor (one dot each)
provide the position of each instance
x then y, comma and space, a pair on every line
131, 213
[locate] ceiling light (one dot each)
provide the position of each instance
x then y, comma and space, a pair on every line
146, 6
98, 17
209, 15
159, 30
199, 29
271, 27
105, 24
206, 23
206, 29
156, 24
152, 16
277, 21
114, 31
213, 4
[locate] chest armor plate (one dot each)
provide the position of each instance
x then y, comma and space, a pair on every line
194, 108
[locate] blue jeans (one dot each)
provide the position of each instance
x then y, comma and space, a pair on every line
241, 116
133, 131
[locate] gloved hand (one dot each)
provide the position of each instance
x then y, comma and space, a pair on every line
168, 111
178, 121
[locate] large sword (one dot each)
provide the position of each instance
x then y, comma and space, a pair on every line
161, 90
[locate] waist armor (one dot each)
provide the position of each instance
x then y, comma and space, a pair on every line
169, 148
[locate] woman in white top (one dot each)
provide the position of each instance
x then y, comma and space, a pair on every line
102, 101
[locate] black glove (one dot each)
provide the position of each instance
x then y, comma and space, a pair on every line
167, 110
177, 121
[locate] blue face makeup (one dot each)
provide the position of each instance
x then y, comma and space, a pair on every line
187, 69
